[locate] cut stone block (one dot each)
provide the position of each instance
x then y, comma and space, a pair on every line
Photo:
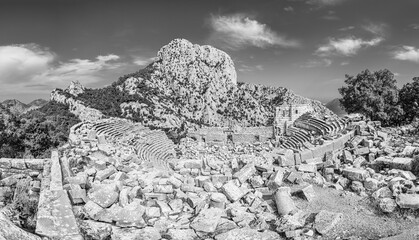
207, 220
402, 163
232, 191
355, 174
408, 201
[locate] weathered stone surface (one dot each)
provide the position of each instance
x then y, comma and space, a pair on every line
103, 174
355, 174
18, 163
371, 184
402, 163
387, 205
104, 194
245, 173
181, 234
9, 231
283, 200
310, 167
275, 181
147, 233
308, 193
35, 164
56, 176
55, 216
408, 201
207, 220
232, 192
326, 220
95, 230
248, 234
5, 163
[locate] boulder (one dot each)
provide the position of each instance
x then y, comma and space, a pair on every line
104, 194
207, 220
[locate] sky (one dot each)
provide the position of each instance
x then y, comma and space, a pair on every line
305, 45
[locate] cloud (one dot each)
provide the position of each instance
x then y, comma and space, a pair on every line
142, 61
348, 28
377, 29
407, 53
324, 62
331, 15
247, 68
324, 2
19, 62
239, 31
288, 9
414, 26
346, 46
30, 68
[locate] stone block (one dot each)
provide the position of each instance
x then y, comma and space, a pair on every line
310, 167
207, 220
104, 194
347, 156
408, 201
18, 163
362, 151
245, 173
275, 181
306, 154
5, 163
402, 163
283, 200
232, 191
163, 189
35, 164
104, 174
355, 174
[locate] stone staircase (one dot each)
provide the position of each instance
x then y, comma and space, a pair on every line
152, 146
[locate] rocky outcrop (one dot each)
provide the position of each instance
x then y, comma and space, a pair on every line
76, 107
75, 88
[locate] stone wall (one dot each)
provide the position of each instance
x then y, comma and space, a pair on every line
12, 170
238, 135
316, 154
285, 115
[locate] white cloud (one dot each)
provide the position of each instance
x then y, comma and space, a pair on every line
346, 46
288, 9
375, 28
239, 31
247, 68
407, 53
20, 62
29, 68
142, 61
324, 2
324, 62
347, 28
109, 57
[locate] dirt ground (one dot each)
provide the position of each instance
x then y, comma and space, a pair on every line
361, 219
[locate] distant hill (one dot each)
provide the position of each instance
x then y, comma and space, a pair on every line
335, 107
16, 107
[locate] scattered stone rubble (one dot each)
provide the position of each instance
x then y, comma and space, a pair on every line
220, 192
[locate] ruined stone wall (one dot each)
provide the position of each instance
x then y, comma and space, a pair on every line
239, 135
316, 153
285, 115
12, 170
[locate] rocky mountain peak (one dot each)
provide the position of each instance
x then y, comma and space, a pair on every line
182, 63
75, 88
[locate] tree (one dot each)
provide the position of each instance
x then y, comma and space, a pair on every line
373, 94
409, 99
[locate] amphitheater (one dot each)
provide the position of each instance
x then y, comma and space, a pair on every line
116, 179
